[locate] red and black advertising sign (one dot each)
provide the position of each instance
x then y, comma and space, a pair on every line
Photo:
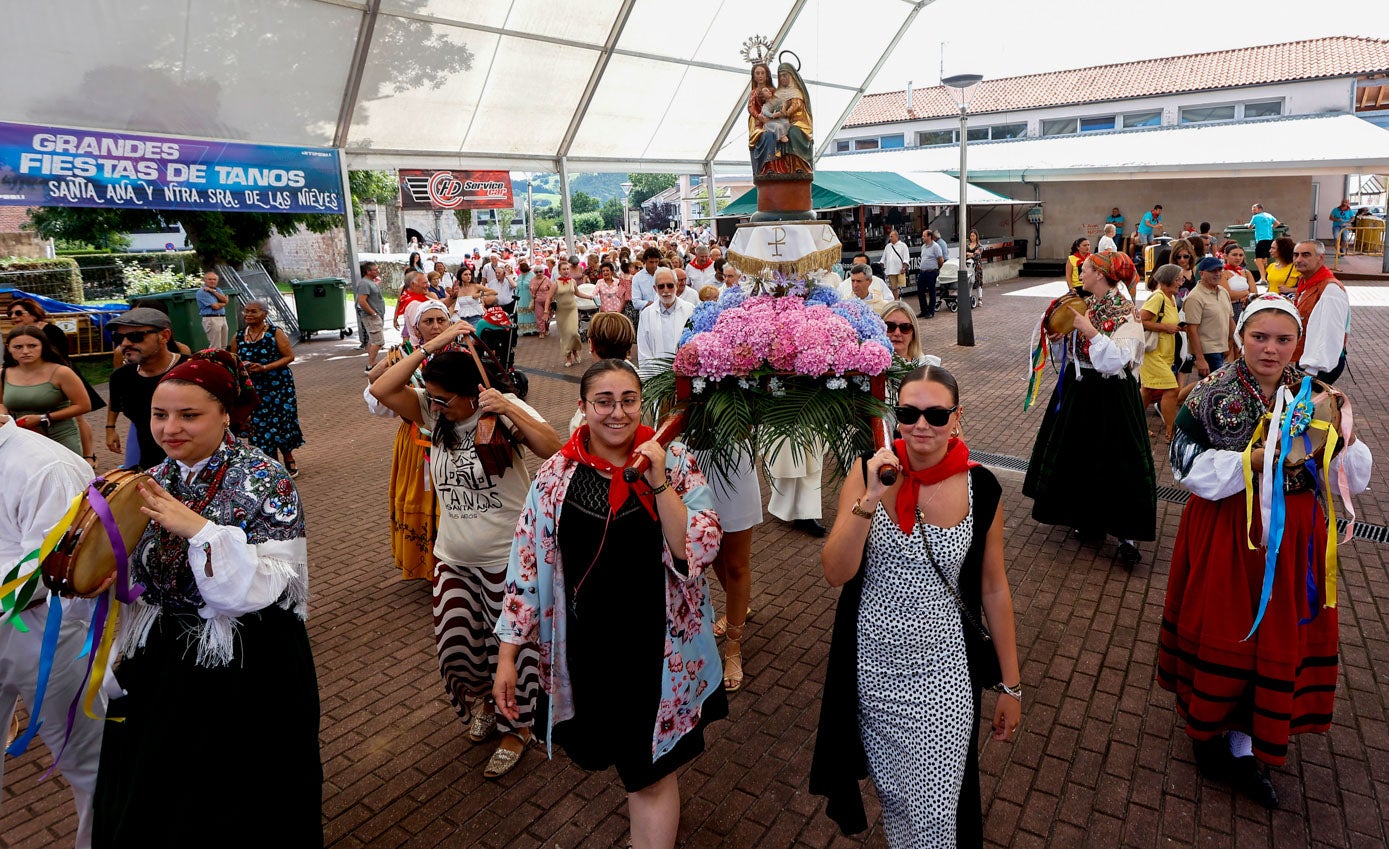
455, 190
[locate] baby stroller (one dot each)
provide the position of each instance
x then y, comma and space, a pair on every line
586, 299
948, 279
498, 331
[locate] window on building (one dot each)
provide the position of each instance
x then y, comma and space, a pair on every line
898, 140
1151, 118
978, 134
1199, 114
1096, 124
930, 138
865, 144
1059, 127
1009, 131
841, 146
1263, 109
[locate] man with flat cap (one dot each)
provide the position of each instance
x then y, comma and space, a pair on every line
142, 337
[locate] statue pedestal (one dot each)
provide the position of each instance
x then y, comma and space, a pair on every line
790, 247
783, 198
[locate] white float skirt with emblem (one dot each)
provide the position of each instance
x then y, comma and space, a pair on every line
791, 247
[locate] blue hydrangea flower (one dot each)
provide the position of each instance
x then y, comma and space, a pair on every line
730, 298
822, 295
704, 316
865, 322
686, 336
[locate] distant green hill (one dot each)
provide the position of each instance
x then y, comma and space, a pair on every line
601, 186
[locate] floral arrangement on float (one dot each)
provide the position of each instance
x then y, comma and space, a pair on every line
783, 366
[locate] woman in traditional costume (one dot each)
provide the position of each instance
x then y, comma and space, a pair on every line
1249, 628
477, 520
608, 580
220, 716
921, 563
1095, 416
414, 510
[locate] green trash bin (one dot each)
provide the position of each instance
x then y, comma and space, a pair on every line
1244, 236
321, 304
182, 308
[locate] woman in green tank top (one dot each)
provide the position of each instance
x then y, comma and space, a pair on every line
40, 392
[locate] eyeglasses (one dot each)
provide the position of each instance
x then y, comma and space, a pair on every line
135, 336
899, 327
935, 416
661, 287
441, 402
18, 311
605, 406
1182, 256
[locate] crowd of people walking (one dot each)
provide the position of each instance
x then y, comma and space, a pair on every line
535, 581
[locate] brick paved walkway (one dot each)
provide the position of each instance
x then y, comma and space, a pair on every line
1101, 761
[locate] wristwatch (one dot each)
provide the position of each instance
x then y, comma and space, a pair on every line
47, 422
857, 510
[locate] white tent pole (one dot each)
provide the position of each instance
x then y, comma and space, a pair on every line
827, 138
711, 191
354, 76
599, 68
349, 224
564, 204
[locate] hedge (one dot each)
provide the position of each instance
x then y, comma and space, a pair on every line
52, 278
102, 277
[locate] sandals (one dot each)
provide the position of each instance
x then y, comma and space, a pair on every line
483, 724
733, 659
293, 469
722, 625
504, 760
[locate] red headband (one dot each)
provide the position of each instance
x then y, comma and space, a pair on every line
223, 376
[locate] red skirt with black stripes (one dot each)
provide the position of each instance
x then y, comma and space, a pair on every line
1281, 681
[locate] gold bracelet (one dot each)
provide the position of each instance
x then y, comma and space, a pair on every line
859, 511
662, 488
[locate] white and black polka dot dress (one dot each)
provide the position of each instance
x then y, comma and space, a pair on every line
916, 707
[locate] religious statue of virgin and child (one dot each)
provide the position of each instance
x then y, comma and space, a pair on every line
779, 121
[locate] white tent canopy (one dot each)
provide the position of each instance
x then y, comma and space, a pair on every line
605, 85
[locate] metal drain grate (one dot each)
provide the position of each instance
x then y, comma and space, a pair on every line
999, 461
1177, 495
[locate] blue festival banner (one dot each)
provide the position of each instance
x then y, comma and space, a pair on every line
54, 166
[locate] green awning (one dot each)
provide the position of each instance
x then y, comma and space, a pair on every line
841, 189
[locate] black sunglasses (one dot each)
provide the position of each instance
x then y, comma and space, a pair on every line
899, 327
135, 336
935, 416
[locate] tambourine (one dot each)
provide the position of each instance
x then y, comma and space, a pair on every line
1060, 317
84, 557
1309, 439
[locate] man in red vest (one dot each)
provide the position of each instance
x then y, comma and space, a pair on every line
1325, 309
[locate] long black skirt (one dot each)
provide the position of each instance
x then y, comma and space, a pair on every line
1092, 464
224, 757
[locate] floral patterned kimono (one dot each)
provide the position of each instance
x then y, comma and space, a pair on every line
535, 608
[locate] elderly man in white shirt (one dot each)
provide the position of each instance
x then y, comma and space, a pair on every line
661, 324
42, 477
859, 287
896, 257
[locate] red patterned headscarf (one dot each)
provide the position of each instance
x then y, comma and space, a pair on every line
224, 377
1115, 266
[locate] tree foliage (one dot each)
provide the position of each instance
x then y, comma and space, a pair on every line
612, 214
464, 217
646, 185
588, 222
372, 187
581, 202
216, 237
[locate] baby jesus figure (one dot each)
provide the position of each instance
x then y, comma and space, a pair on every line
771, 109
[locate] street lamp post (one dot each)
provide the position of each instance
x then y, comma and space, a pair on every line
961, 88
626, 187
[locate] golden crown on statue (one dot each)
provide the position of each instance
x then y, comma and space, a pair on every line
757, 50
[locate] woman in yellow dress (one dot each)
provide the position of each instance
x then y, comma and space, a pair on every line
1160, 316
1281, 276
567, 313
414, 509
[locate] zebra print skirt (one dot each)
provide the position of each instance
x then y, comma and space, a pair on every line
467, 602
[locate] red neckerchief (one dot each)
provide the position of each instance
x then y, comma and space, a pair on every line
1238, 269
576, 449
1080, 258
1311, 282
707, 262
956, 460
